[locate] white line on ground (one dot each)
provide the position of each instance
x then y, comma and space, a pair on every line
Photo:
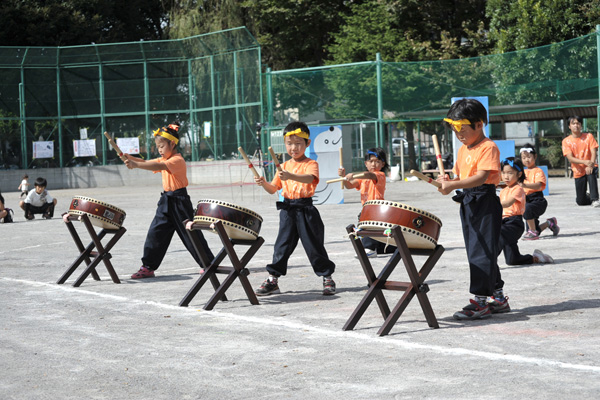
451, 351
13, 250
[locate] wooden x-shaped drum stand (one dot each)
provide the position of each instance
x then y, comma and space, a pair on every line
416, 286
236, 271
86, 253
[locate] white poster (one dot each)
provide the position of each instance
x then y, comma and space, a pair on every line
84, 148
207, 129
325, 149
43, 149
129, 145
83, 134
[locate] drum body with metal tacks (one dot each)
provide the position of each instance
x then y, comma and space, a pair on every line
101, 214
239, 222
420, 229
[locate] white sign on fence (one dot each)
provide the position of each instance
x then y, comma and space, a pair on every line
43, 149
129, 145
84, 148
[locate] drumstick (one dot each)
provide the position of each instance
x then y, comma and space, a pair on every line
275, 159
341, 163
250, 165
114, 146
357, 176
438, 154
425, 178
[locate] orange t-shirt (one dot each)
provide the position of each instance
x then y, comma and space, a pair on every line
175, 176
484, 156
371, 190
294, 189
518, 207
581, 148
534, 175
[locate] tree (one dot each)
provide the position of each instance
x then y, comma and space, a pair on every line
522, 24
77, 22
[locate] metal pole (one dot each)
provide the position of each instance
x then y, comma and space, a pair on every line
214, 115
102, 111
193, 144
237, 100
598, 57
379, 103
59, 122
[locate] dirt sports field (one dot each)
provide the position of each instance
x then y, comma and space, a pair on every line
132, 341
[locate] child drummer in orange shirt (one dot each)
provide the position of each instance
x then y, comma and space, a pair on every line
298, 218
174, 205
534, 185
477, 171
512, 198
371, 187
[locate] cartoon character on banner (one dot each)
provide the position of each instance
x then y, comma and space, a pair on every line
324, 148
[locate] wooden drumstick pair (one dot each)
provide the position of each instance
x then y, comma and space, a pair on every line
114, 146
440, 163
342, 179
251, 166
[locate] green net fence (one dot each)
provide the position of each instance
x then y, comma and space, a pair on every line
210, 83
214, 86
379, 100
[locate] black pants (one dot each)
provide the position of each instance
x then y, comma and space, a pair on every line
581, 185
512, 229
173, 208
535, 207
481, 218
47, 209
300, 220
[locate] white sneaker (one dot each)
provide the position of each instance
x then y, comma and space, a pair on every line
542, 258
596, 203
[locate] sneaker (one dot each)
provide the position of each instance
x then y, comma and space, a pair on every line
473, 310
370, 254
143, 273
46, 216
268, 287
29, 216
596, 203
498, 305
531, 235
542, 258
328, 286
553, 226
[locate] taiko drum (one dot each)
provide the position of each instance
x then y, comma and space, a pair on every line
101, 214
240, 223
421, 229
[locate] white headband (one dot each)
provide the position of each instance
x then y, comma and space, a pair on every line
527, 149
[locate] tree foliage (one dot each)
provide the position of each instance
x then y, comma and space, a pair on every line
77, 22
522, 24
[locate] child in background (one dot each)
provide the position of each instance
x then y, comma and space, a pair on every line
512, 198
298, 218
5, 213
581, 149
174, 205
38, 201
536, 204
24, 186
477, 171
371, 187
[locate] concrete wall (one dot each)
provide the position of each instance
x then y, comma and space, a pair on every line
199, 173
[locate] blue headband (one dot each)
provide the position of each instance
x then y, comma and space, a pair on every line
372, 153
506, 161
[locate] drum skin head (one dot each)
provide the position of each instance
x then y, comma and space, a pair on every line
421, 229
101, 214
240, 223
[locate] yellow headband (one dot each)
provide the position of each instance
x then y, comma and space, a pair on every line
166, 135
457, 125
298, 132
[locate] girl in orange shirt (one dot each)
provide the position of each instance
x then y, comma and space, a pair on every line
371, 187
535, 205
512, 198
